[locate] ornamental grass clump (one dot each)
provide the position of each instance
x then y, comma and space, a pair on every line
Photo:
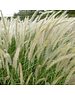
37, 51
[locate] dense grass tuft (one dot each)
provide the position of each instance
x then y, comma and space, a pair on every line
37, 51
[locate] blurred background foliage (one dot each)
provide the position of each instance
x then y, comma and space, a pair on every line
24, 13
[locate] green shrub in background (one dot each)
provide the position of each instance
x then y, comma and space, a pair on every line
25, 13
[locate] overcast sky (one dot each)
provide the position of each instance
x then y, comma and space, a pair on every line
8, 12
9, 7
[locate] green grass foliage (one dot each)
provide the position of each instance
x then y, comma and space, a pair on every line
37, 51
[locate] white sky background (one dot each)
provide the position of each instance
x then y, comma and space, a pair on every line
9, 7
8, 12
